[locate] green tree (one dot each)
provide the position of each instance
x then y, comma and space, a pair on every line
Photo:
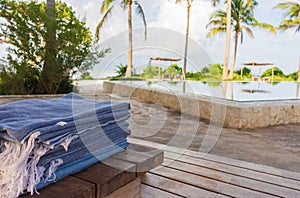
246, 72
242, 19
173, 70
194, 75
50, 70
277, 72
215, 69
106, 8
292, 19
293, 76
24, 27
121, 70
205, 70
292, 15
151, 71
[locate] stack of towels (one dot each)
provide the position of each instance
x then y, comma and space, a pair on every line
42, 141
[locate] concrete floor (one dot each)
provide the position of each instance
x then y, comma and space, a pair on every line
277, 146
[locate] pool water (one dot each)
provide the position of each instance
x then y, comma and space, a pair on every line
237, 91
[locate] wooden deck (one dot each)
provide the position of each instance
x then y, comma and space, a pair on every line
186, 173
117, 176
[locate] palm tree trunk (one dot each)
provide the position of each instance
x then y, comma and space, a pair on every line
130, 46
228, 32
236, 37
186, 38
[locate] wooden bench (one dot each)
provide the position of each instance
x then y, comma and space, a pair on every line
117, 176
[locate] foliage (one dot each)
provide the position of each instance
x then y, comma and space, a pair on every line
246, 74
24, 25
292, 15
86, 76
293, 76
242, 19
194, 76
151, 71
210, 72
173, 70
121, 70
277, 72
205, 70
215, 69
106, 9
246, 71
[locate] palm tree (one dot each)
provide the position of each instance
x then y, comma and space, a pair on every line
189, 4
292, 20
292, 15
106, 8
241, 20
228, 34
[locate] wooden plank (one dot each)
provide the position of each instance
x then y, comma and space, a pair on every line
176, 187
251, 174
120, 164
131, 190
106, 178
233, 179
150, 192
144, 158
69, 187
219, 159
208, 184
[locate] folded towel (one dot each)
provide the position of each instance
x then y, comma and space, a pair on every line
45, 140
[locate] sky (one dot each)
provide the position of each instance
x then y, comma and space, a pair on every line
166, 22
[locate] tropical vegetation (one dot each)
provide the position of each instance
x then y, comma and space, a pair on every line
242, 19
33, 66
292, 15
189, 4
107, 7
291, 21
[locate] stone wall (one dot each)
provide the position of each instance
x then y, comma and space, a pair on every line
231, 114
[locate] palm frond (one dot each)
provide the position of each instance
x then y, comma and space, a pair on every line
215, 31
249, 31
217, 19
139, 10
266, 26
103, 19
292, 9
105, 5
215, 2
288, 23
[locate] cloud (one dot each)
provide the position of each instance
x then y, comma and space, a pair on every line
282, 49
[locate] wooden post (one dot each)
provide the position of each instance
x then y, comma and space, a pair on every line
297, 90
242, 72
299, 71
252, 70
272, 73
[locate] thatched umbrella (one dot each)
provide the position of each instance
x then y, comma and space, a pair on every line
165, 59
254, 64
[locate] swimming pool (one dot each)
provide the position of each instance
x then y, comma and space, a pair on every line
236, 91
231, 104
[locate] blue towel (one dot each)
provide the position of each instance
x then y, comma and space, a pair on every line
42, 141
